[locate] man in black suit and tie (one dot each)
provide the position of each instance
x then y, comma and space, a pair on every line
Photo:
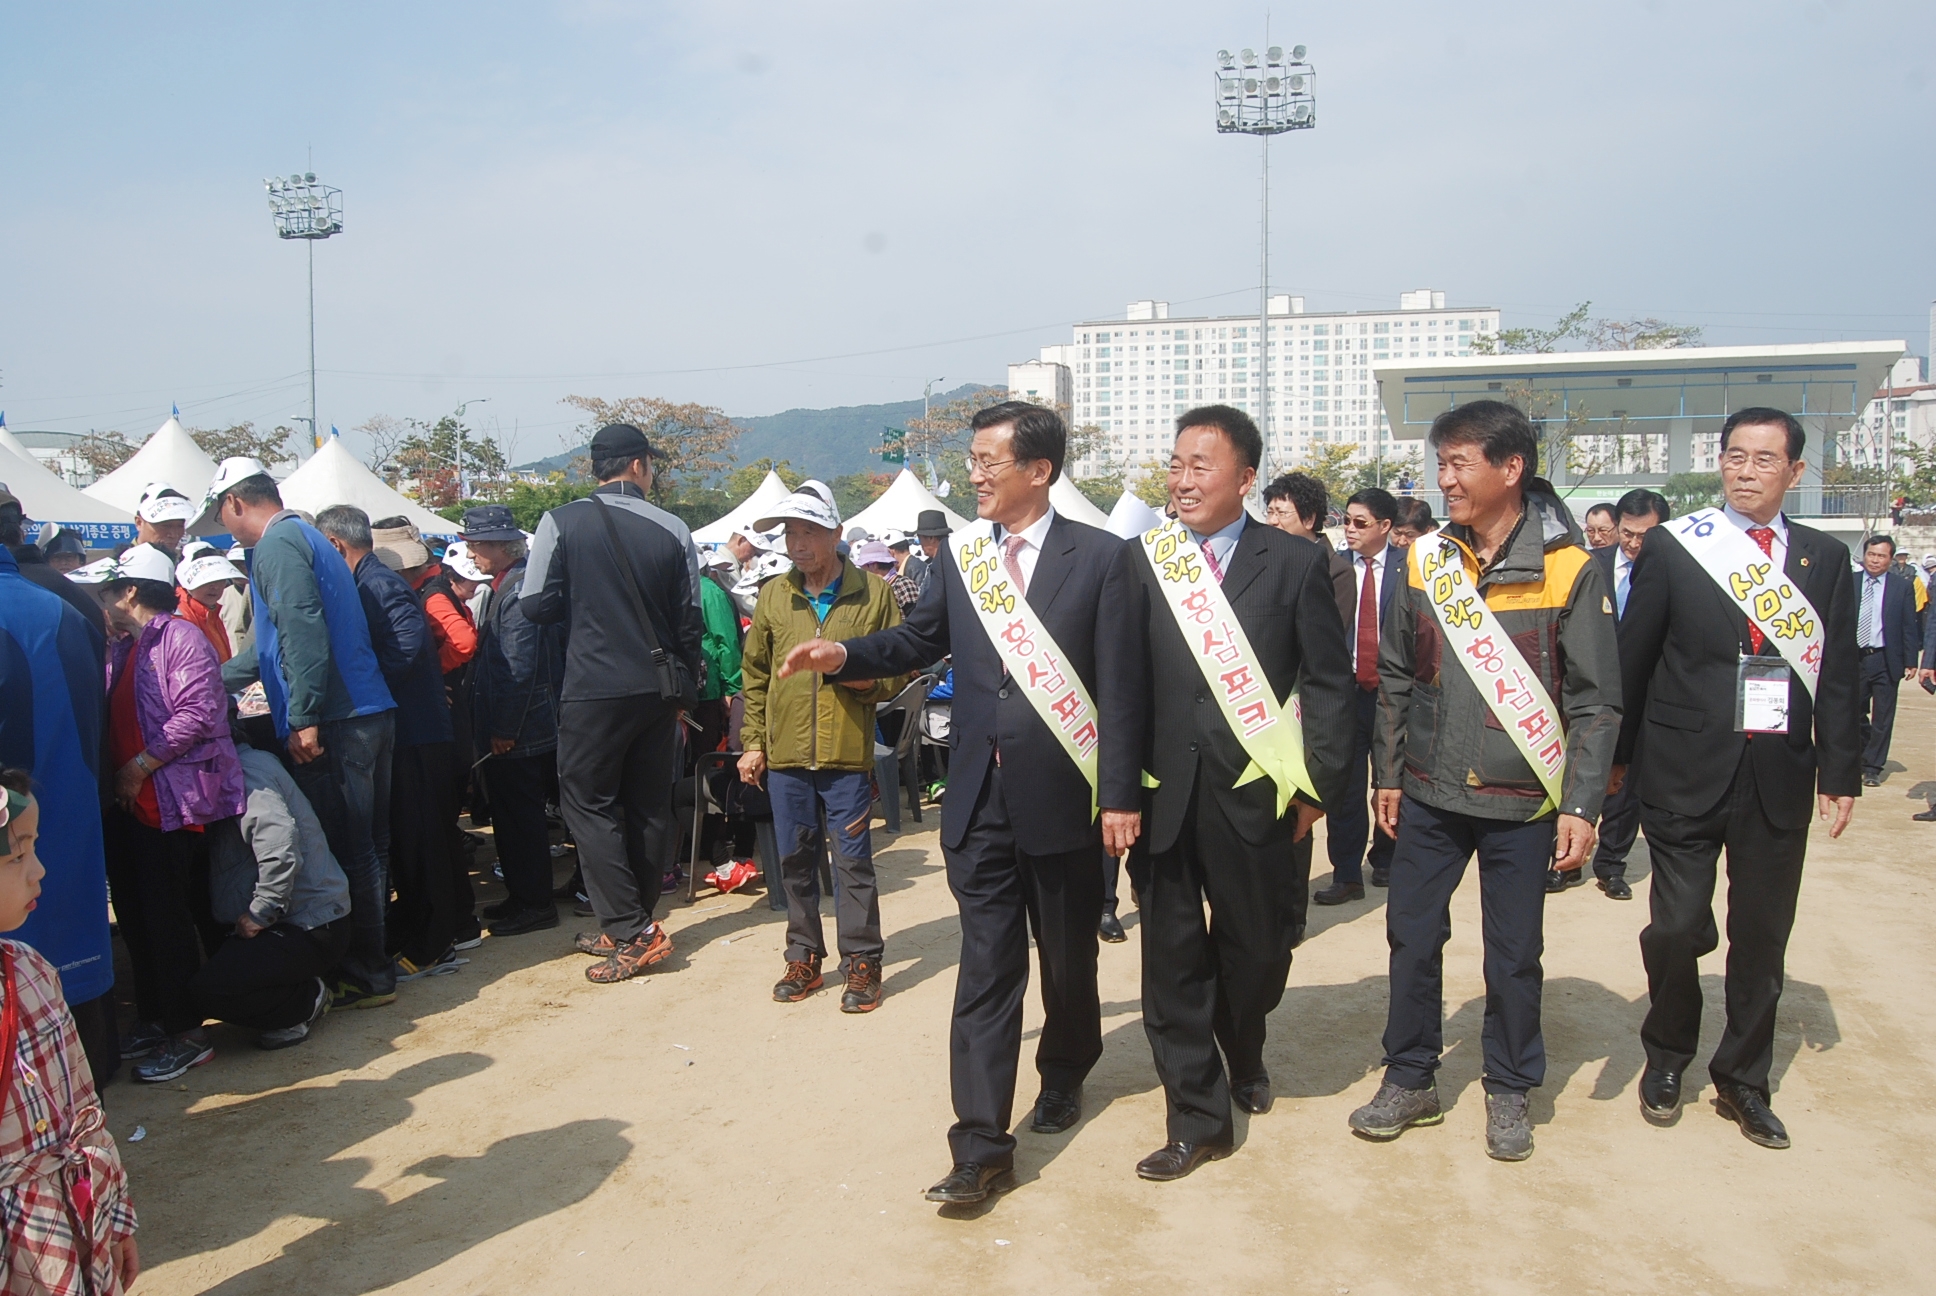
1019, 826
1706, 780
1888, 643
1637, 513
1209, 983
1377, 570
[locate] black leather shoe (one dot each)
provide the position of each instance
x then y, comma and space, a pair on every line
1254, 1096
1055, 1111
525, 920
1925, 816
1660, 1095
968, 1183
1616, 888
1558, 880
1748, 1109
501, 908
1338, 893
1872, 780
1174, 1160
1111, 929
1381, 877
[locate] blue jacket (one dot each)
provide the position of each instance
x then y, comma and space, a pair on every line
52, 697
312, 642
406, 651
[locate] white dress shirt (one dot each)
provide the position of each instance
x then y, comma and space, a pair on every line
1779, 526
1033, 538
1622, 574
1222, 544
1869, 593
1361, 568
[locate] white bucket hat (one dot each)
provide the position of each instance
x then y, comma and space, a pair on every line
808, 505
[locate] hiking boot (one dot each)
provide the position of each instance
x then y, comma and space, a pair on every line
1509, 1133
144, 1039
650, 946
175, 1058
863, 986
802, 979
1396, 1110
290, 1036
596, 944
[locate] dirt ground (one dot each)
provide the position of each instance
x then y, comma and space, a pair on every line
512, 1128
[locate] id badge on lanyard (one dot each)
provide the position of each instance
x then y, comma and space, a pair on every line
1761, 694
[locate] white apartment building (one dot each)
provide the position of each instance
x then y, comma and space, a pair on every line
1046, 381
1130, 378
1901, 415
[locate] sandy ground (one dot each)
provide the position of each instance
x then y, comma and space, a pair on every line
512, 1128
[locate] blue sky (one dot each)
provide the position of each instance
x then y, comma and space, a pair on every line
705, 202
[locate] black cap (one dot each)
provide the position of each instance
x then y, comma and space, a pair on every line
931, 522
491, 522
621, 440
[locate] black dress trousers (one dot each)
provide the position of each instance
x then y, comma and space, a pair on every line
1209, 985
1764, 881
1005, 894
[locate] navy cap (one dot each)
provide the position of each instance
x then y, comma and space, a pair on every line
491, 522
619, 439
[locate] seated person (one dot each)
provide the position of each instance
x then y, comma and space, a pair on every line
272, 878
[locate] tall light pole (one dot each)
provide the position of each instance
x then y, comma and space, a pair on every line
304, 209
463, 488
1265, 97
927, 432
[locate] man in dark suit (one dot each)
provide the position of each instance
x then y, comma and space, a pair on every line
1637, 513
1377, 570
1704, 785
1209, 983
1888, 644
1019, 830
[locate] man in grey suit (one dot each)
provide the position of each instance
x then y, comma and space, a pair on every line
1638, 512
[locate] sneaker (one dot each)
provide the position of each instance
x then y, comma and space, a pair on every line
1509, 1134
144, 1039
670, 881
290, 1036
651, 946
1396, 1110
801, 980
863, 986
443, 965
469, 942
560, 850
347, 995
736, 875
174, 1059
521, 921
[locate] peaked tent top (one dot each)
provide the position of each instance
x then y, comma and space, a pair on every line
44, 497
335, 476
900, 508
171, 456
1131, 517
740, 517
1071, 503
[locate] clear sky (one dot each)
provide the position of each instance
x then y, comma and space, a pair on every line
760, 206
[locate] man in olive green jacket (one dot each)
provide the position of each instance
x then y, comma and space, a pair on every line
813, 742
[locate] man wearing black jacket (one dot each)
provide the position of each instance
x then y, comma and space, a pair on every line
623, 577
1210, 983
1023, 845
1704, 783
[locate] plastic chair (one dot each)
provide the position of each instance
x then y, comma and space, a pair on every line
899, 768
704, 803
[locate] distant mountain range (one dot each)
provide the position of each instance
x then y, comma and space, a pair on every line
822, 442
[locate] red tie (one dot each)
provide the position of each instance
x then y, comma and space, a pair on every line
1368, 629
1765, 537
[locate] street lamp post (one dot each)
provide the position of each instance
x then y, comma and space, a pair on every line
304, 209
1264, 97
463, 487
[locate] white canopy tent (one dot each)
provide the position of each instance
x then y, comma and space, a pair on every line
900, 508
44, 497
1071, 503
1131, 517
769, 492
171, 456
335, 476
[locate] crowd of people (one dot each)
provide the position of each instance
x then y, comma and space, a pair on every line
264, 754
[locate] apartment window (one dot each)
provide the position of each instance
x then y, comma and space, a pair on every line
1381, 327
1320, 330
1102, 351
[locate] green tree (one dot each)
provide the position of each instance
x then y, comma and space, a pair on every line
444, 456
1153, 486
697, 439
104, 451
1523, 341
855, 491
745, 479
1688, 491
1332, 463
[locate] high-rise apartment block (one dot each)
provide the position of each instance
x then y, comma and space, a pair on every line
1130, 378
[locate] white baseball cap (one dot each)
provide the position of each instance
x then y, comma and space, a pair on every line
137, 562
458, 558
808, 505
161, 502
234, 469
193, 573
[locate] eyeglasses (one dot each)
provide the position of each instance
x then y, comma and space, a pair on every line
1765, 460
1279, 512
1359, 524
986, 467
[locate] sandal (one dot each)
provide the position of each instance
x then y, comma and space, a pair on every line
597, 944
633, 957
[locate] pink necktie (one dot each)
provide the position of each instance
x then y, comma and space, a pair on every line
1011, 559
1209, 556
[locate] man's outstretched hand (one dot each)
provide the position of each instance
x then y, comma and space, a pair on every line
815, 655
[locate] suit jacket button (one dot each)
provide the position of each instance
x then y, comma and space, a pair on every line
1002, 694
1193, 746
1203, 697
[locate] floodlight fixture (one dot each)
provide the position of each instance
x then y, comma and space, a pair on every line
1275, 53
1250, 58
1297, 54
304, 209
1224, 60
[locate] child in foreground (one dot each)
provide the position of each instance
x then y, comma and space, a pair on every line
66, 1225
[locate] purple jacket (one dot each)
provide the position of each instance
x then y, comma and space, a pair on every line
184, 719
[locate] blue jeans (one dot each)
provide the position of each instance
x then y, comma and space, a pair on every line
349, 788
798, 797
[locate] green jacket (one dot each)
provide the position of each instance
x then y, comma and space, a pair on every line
719, 644
805, 721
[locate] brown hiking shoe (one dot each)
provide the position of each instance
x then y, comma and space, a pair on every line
801, 980
633, 957
863, 986
597, 944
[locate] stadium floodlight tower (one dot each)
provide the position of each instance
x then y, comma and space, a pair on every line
305, 209
1264, 97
